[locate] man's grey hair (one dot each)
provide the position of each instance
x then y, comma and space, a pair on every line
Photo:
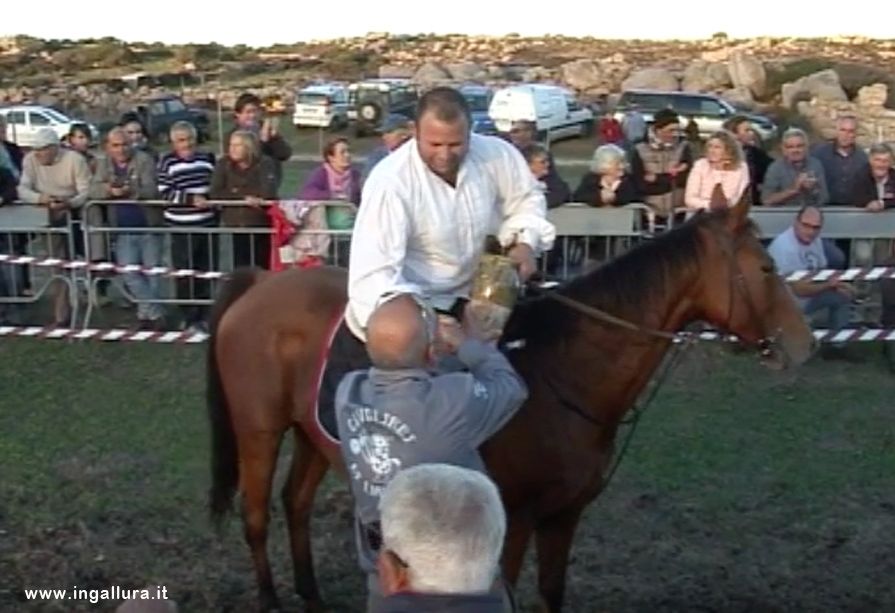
795, 133
607, 156
847, 117
183, 127
880, 149
116, 131
447, 524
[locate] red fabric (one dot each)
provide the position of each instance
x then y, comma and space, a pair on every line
282, 231
610, 130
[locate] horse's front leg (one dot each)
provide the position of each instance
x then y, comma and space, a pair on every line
554, 542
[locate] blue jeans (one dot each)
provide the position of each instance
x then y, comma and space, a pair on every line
142, 249
837, 305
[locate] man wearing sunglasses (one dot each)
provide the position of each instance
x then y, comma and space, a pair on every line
801, 248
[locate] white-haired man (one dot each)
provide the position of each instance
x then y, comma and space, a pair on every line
442, 533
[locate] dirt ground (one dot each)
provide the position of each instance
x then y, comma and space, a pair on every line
743, 491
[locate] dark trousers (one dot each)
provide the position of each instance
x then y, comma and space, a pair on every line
197, 252
251, 250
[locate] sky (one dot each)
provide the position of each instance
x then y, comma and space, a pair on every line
275, 21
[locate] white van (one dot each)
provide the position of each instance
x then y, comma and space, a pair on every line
554, 109
321, 106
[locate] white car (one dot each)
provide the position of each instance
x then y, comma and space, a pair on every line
321, 106
24, 121
555, 110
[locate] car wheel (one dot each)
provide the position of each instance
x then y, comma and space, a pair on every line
370, 112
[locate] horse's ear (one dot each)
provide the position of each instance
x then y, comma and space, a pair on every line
738, 215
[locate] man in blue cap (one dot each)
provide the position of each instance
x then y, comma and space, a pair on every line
396, 130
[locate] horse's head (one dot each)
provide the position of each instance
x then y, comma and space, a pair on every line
743, 294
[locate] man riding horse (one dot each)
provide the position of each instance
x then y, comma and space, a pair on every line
425, 213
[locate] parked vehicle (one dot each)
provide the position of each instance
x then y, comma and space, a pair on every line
321, 106
708, 111
479, 99
158, 114
23, 122
555, 111
372, 100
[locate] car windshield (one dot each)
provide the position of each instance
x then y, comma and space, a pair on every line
478, 103
56, 115
314, 99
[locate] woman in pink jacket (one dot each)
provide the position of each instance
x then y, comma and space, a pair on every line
719, 179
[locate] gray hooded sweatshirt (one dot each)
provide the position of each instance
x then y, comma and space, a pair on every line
392, 420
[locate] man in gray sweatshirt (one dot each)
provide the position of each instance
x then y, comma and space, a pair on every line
399, 414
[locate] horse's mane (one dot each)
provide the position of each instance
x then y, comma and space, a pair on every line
624, 286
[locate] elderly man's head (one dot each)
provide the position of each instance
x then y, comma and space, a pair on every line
396, 130
118, 146
401, 333
183, 139
442, 531
846, 132
880, 160
794, 145
46, 146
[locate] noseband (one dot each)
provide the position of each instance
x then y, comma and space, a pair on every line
766, 344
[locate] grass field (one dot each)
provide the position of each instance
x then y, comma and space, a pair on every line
744, 490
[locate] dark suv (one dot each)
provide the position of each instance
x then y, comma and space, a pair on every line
158, 114
708, 111
371, 101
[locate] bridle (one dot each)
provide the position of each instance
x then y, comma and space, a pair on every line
738, 286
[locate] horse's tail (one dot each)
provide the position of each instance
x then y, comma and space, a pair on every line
224, 460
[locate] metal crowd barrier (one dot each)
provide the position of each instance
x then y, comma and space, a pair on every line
586, 237
25, 232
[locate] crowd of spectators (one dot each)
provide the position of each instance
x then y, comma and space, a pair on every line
661, 164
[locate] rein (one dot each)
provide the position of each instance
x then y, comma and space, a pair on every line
680, 339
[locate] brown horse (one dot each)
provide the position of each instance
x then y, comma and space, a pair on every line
584, 372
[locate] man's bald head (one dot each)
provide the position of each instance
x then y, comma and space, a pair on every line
399, 335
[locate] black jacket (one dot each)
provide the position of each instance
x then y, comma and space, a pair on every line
8, 187
865, 190
15, 153
589, 191
758, 160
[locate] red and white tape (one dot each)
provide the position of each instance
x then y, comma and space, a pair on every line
851, 274
6, 258
847, 335
112, 335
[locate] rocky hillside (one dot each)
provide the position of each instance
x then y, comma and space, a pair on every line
815, 77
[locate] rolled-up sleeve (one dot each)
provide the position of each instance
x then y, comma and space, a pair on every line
378, 249
523, 205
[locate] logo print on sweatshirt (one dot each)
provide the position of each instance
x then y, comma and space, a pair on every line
372, 436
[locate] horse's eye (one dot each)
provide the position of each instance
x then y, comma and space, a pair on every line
768, 269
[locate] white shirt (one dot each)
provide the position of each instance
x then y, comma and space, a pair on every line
414, 233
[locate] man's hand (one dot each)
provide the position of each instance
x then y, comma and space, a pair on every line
119, 192
255, 202
449, 335
45, 200
200, 201
842, 287
523, 256
267, 130
875, 206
